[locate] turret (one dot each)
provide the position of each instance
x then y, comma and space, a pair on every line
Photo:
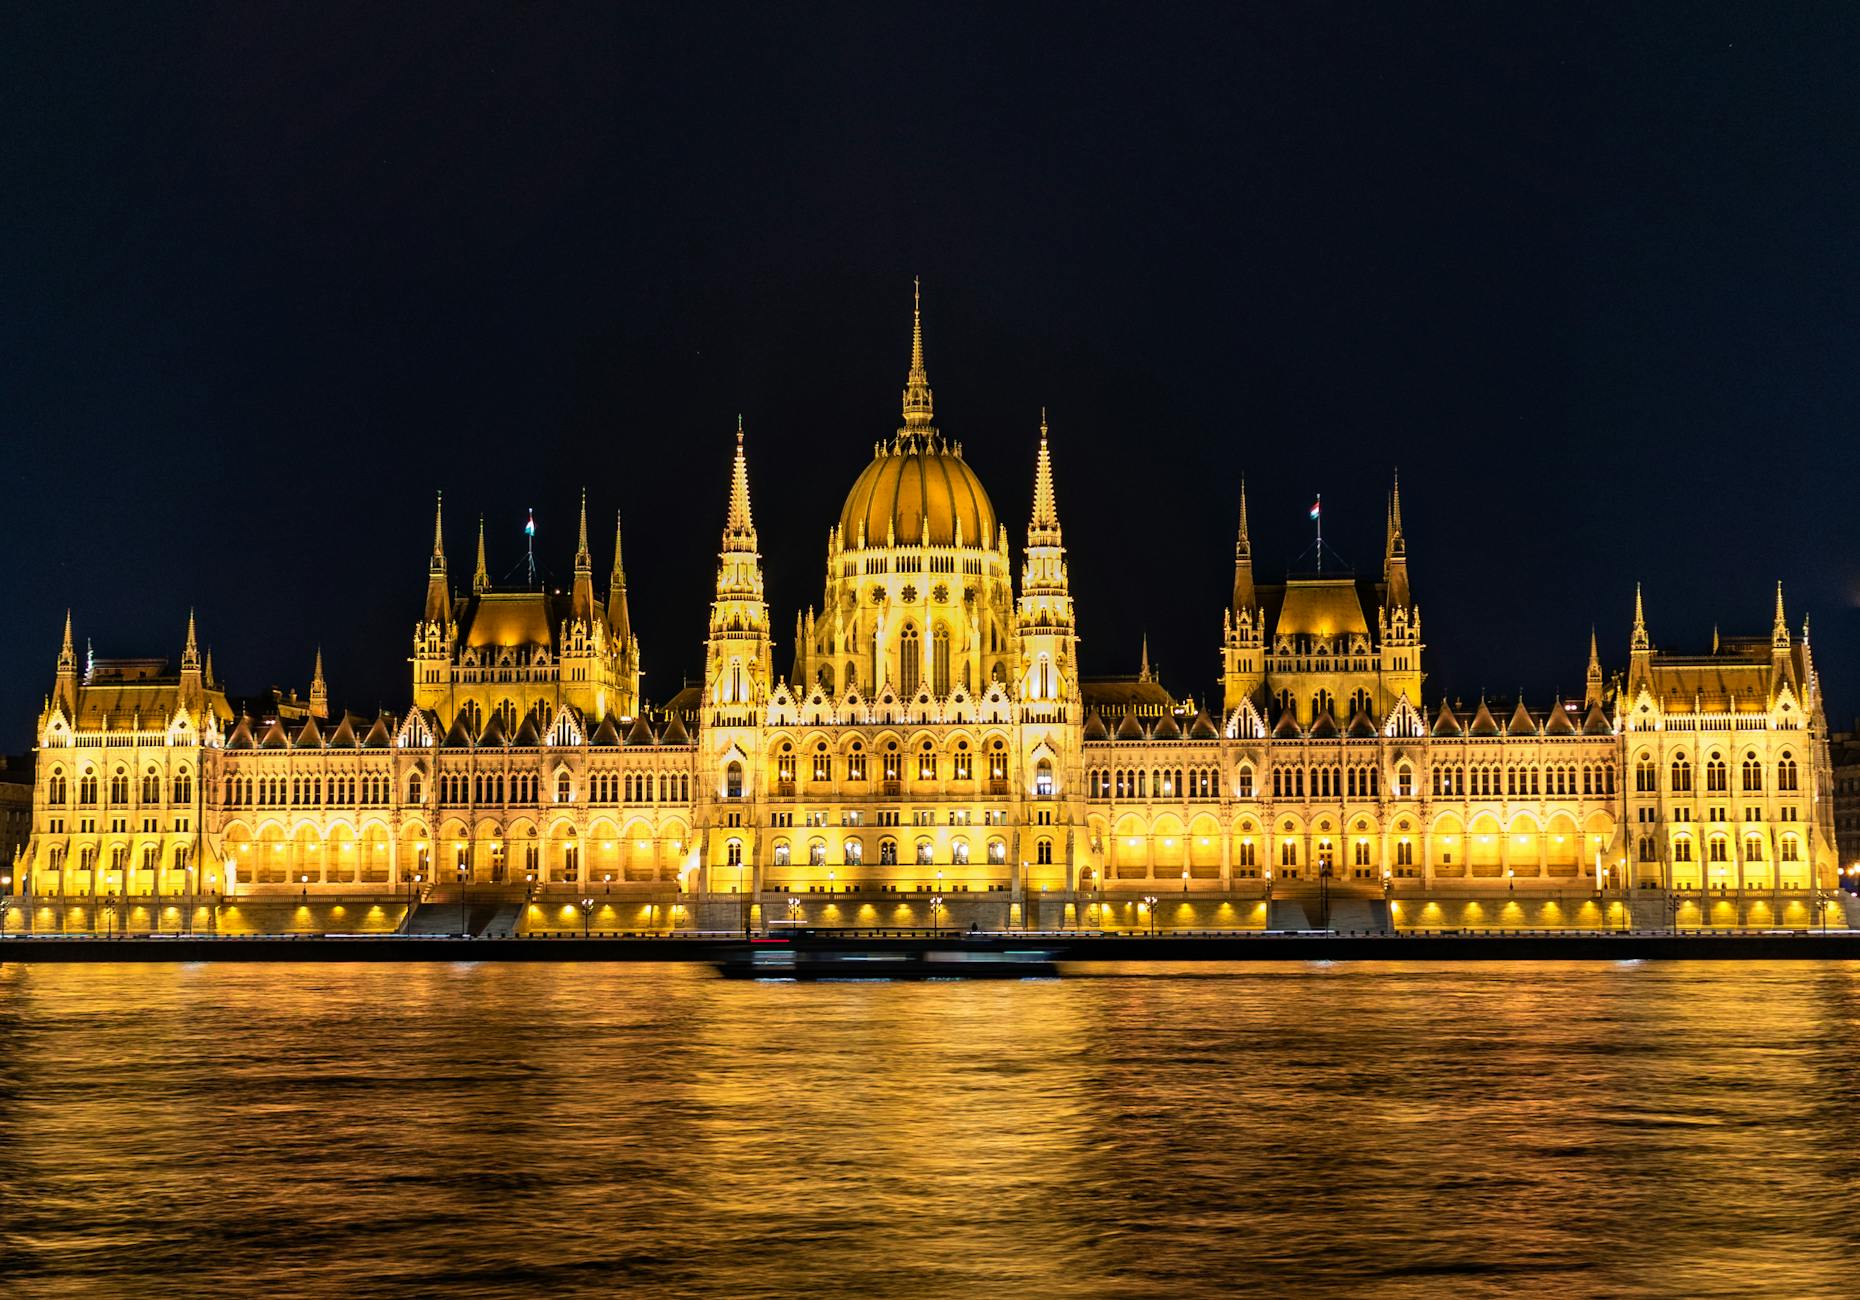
481, 574
1640, 649
319, 689
192, 678
1592, 680
581, 593
1048, 644
1395, 556
65, 692
737, 669
1243, 639
438, 595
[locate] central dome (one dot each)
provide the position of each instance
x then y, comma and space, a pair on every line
918, 488
913, 482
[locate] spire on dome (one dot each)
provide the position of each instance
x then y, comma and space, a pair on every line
1043, 528
739, 519
918, 405
481, 576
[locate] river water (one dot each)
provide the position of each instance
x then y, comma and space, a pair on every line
1353, 1129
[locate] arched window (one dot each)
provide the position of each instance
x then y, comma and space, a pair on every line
959, 851
416, 789
781, 853
910, 661
733, 780
55, 788
1359, 701
1682, 848
563, 787
1682, 775
1753, 772
183, 786
473, 715
939, 660
1361, 853
1789, 848
853, 850
1646, 848
1753, 848
733, 853
888, 852
151, 786
1043, 853
119, 786
506, 713
1785, 773
997, 852
1720, 849
1288, 853
1043, 779
87, 787
1715, 775
1243, 783
816, 853
926, 853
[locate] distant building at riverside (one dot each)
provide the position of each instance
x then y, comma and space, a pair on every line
930, 736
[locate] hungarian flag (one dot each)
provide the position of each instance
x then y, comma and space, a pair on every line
1316, 508
529, 528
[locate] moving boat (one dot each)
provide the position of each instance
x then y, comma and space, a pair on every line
785, 960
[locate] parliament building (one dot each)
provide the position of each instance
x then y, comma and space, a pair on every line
930, 753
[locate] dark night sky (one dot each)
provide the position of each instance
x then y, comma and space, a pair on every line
270, 275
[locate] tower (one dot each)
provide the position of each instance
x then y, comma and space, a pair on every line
481, 574
1243, 640
621, 644
1592, 680
319, 689
1398, 622
433, 636
1640, 650
65, 692
737, 661
1048, 640
193, 679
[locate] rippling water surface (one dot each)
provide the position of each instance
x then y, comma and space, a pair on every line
1353, 1129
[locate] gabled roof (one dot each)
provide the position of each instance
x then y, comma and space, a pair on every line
459, 736
528, 734
1521, 724
241, 737
381, 734
274, 737
1483, 723
309, 736
1287, 726
494, 732
343, 737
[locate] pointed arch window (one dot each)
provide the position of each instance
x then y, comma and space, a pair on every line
910, 661
1715, 775
1682, 775
939, 660
1786, 773
733, 780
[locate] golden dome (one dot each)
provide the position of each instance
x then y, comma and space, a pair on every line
912, 481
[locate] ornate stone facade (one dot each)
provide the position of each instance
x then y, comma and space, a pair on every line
933, 749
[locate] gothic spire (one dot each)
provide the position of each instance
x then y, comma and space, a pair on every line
67, 654
1143, 666
581, 592
1043, 528
439, 532
918, 405
438, 594
1592, 679
1245, 598
619, 622
1640, 641
1395, 554
190, 653
481, 576
584, 559
739, 521
1779, 631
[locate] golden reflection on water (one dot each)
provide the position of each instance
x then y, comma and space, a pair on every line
1358, 1129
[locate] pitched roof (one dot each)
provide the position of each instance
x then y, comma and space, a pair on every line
1446, 723
1095, 728
1483, 723
1521, 724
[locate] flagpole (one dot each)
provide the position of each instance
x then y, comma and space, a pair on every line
1320, 531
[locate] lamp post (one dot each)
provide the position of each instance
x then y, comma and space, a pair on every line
936, 914
1185, 880
6, 897
587, 906
462, 917
1149, 901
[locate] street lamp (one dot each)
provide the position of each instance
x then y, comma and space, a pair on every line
6, 894
462, 917
1150, 901
936, 913
607, 882
587, 906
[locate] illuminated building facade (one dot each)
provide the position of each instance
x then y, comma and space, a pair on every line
932, 752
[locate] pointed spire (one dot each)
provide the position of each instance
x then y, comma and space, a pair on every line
1395, 554
1395, 531
67, 654
1592, 679
481, 575
190, 653
1245, 597
319, 689
918, 404
1640, 641
316, 672
207, 675
1043, 528
439, 531
619, 618
617, 579
739, 519
438, 593
584, 559
1143, 666
1779, 631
